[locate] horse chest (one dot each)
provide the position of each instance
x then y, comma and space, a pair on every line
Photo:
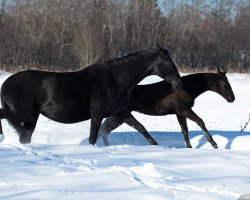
183, 100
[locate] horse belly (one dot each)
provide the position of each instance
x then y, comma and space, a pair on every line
67, 113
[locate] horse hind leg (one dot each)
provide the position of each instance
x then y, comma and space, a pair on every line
2, 116
6, 114
1, 130
1, 133
27, 131
184, 129
107, 126
24, 131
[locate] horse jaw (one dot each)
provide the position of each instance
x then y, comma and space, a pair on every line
1, 137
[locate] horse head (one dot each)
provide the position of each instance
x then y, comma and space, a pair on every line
166, 68
222, 86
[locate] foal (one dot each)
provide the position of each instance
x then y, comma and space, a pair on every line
159, 99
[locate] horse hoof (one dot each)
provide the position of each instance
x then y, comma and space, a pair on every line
215, 146
153, 143
1, 137
24, 140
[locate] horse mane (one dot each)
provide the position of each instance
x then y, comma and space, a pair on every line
196, 78
199, 76
132, 57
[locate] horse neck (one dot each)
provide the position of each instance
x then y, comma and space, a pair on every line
196, 84
128, 74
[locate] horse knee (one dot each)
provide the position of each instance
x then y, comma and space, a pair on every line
103, 130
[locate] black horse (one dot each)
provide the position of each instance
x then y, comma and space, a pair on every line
96, 92
159, 99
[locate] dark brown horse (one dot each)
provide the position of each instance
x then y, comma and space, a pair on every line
96, 92
159, 99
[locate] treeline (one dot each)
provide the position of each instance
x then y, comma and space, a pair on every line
76, 33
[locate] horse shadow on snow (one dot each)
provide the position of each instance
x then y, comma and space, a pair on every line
225, 139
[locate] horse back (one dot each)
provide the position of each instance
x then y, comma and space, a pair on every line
31, 83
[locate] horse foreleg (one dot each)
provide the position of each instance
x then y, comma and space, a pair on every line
131, 121
192, 116
184, 129
96, 121
107, 126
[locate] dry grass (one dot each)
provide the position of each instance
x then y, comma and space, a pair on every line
184, 69
15, 69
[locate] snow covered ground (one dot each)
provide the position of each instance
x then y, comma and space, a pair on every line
60, 164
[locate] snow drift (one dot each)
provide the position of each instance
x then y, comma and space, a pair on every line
60, 164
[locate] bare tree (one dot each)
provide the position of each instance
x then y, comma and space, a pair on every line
2, 17
78, 33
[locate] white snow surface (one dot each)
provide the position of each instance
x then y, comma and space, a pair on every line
60, 164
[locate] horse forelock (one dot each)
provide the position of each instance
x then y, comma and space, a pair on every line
133, 57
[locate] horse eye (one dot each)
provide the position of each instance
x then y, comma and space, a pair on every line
225, 83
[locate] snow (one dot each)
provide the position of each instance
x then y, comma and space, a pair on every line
60, 164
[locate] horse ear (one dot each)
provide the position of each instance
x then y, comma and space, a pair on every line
218, 71
159, 47
160, 51
225, 71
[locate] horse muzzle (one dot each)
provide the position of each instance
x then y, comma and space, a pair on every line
231, 99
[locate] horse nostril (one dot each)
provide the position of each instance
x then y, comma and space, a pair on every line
231, 99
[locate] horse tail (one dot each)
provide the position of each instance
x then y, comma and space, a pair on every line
2, 113
2, 116
2, 110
